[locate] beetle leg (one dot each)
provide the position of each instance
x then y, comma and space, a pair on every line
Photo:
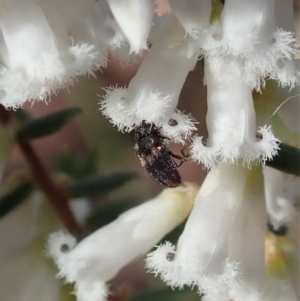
183, 154
182, 159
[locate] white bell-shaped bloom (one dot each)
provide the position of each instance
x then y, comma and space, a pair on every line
222, 248
242, 50
153, 92
231, 119
45, 45
201, 256
253, 31
100, 256
31, 67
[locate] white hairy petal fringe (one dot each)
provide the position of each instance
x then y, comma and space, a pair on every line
42, 49
153, 93
135, 19
174, 272
288, 73
282, 193
99, 257
91, 290
115, 105
118, 107
231, 120
150, 105
201, 256
241, 26
275, 61
163, 70
250, 32
84, 60
183, 128
264, 149
31, 66
193, 15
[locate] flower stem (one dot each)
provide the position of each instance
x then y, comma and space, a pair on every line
287, 160
55, 195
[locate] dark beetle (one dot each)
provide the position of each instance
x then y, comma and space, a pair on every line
155, 155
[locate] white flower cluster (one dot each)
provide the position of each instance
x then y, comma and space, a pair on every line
46, 44
251, 41
221, 251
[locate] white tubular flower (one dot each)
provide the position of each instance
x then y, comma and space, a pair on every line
202, 254
222, 248
251, 31
231, 120
153, 93
282, 193
100, 256
193, 15
135, 19
46, 44
31, 66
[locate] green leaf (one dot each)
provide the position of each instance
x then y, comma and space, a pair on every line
287, 160
165, 294
99, 184
22, 115
281, 231
47, 125
12, 199
76, 166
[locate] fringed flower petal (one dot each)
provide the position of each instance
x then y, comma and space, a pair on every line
231, 120
153, 92
201, 255
99, 257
